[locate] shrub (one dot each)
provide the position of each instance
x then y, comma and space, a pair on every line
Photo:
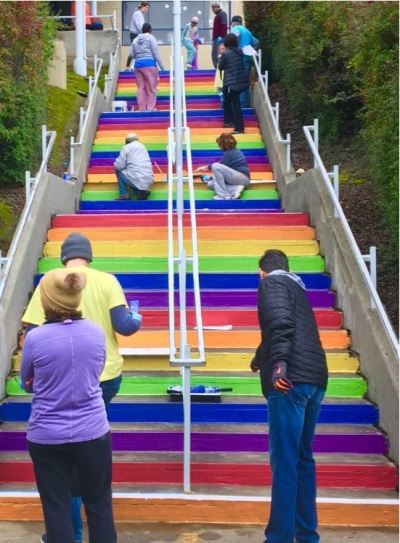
339, 63
26, 46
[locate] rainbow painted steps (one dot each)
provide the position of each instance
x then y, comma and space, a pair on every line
230, 439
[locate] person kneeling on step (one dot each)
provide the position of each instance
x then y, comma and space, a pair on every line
231, 173
133, 169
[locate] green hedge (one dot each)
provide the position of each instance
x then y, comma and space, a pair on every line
26, 47
339, 63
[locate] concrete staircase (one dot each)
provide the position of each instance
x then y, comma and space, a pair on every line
230, 473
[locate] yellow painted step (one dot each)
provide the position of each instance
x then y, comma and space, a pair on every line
205, 248
111, 178
340, 362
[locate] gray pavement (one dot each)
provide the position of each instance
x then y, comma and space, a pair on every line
30, 532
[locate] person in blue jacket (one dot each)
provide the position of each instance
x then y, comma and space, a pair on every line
245, 37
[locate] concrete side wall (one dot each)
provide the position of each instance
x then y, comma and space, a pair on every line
309, 194
100, 43
53, 196
58, 66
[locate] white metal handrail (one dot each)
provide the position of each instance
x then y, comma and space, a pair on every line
112, 18
112, 67
375, 300
48, 139
176, 181
184, 359
85, 113
273, 110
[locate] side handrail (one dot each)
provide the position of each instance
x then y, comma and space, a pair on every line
31, 186
112, 68
85, 113
112, 18
177, 255
273, 110
369, 281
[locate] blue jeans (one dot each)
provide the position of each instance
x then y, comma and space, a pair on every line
110, 389
292, 420
76, 505
124, 182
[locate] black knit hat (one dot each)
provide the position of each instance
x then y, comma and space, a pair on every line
76, 246
237, 19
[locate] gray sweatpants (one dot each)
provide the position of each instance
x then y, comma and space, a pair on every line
226, 180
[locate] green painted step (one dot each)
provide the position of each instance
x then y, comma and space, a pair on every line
106, 196
338, 387
116, 147
246, 264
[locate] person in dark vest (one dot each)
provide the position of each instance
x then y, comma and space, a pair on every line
294, 377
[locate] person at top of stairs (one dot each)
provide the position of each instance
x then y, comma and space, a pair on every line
294, 377
133, 169
188, 36
104, 303
231, 173
220, 28
68, 429
245, 39
144, 50
236, 80
136, 25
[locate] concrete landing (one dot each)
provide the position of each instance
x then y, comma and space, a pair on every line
30, 532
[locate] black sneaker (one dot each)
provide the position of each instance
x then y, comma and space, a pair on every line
44, 539
237, 132
143, 195
229, 125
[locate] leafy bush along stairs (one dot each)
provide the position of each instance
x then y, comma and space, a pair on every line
230, 475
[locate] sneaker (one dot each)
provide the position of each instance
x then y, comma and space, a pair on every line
239, 190
238, 132
44, 539
123, 197
189, 66
143, 195
216, 197
229, 125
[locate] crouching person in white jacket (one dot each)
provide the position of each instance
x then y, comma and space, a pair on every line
133, 169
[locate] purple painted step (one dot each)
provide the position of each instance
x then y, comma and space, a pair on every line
365, 443
222, 298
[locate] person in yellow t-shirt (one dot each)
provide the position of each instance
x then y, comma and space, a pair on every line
103, 302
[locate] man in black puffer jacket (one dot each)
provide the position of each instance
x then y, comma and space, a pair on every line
294, 377
236, 80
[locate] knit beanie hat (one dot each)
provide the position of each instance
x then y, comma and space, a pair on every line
76, 246
61, 289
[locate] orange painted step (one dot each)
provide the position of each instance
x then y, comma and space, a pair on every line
220, 339
203, 233
111, 177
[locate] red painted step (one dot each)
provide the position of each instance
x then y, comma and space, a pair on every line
160, 219
369, 476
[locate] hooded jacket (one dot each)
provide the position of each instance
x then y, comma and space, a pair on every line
235, 75
145, 48
289, 332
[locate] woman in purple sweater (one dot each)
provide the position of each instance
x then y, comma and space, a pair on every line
68, 431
